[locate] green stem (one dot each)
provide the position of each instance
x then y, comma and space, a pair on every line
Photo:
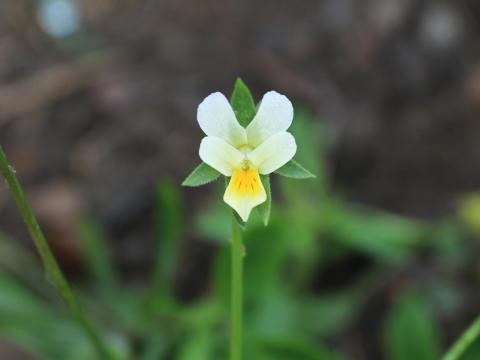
52, 268
236, 293
464, 342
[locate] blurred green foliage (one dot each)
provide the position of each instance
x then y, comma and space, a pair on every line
297, 305
410, 331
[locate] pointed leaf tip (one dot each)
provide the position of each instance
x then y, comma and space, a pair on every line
242, 103
201, 175
294, 170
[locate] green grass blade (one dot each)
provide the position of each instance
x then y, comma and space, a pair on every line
51, 266
97, 255
460, 347
168, 231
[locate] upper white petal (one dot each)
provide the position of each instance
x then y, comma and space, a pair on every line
220, 155
274, 115
273, 153
216, 118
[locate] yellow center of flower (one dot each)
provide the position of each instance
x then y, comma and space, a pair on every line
245, 190
246, 182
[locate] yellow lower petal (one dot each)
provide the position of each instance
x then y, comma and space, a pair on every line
244, 192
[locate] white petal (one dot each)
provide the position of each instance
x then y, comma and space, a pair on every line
274, 115
220, 155
216, 118
273, 153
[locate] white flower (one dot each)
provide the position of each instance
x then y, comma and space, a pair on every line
244, 153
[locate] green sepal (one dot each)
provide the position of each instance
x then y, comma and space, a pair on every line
265, 208
242, 103
294, 170
203, 174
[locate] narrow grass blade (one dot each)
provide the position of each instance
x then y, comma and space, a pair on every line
52, 268
97, 256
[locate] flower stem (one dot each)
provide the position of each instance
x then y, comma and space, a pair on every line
52, 269
236, 292
464, 342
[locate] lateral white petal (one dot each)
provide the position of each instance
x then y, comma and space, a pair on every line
274, 115
220, 155
273, 153
216, 118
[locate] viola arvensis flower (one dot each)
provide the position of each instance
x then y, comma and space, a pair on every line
243, 154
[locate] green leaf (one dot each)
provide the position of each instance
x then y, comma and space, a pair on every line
203, 174
293, 348
214, 224
156, 347
168, 233
410, 331
387, 237
263, 265
265, 208
472, 352
294, 170
221, 276
197, 346
28, 322
242, 103
97, 254
337, 311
